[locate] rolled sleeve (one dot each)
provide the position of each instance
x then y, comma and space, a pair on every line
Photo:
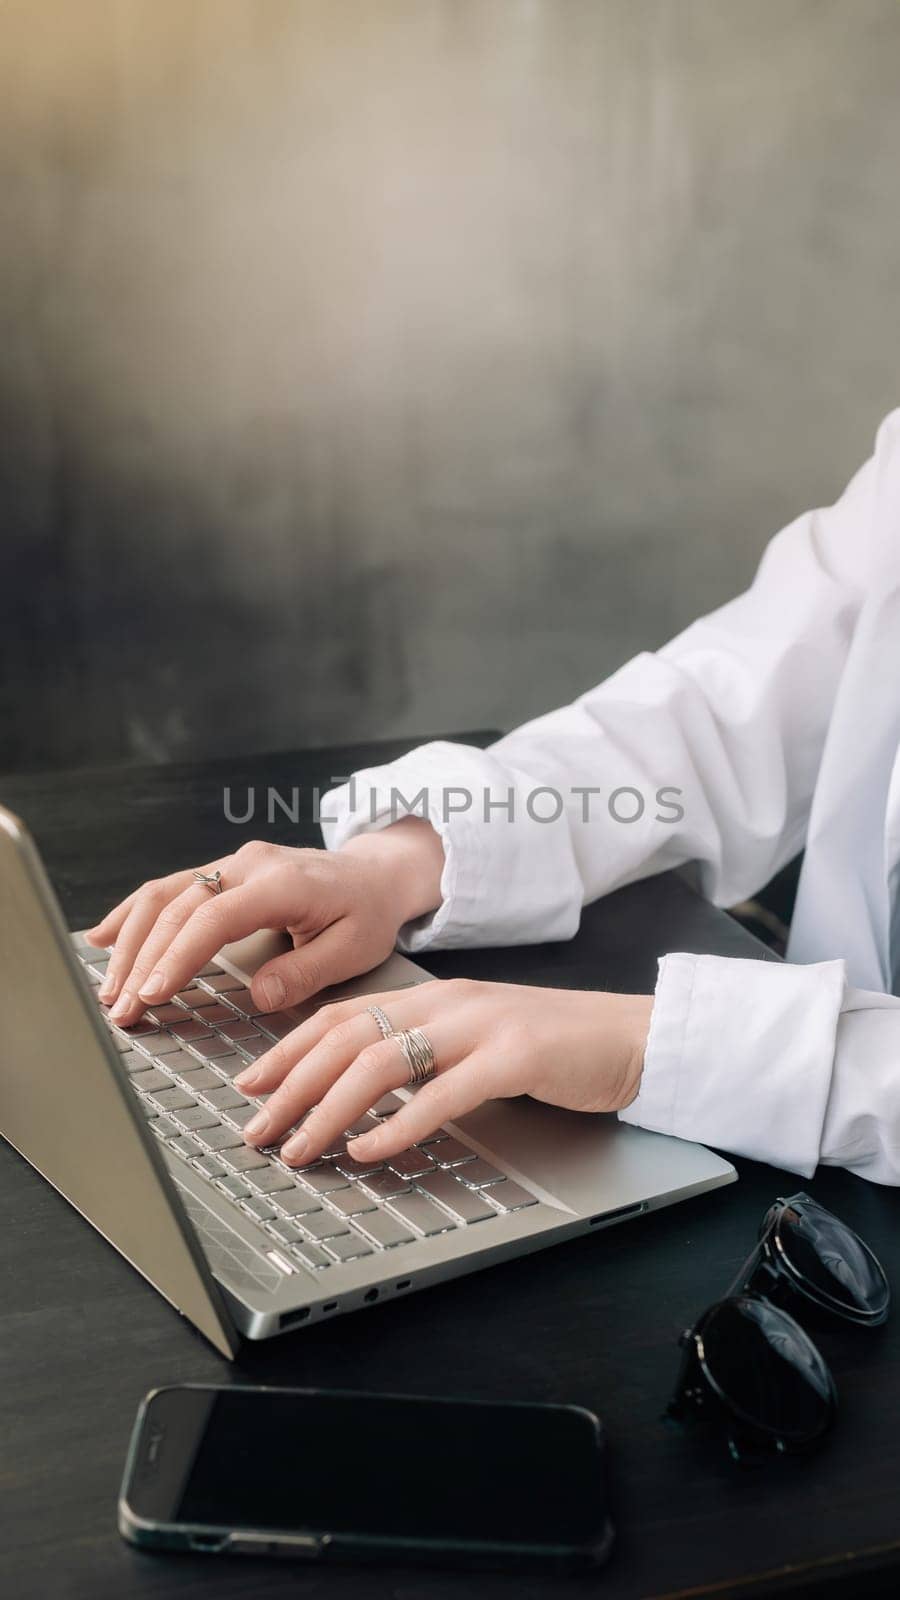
740, 1055
508, 877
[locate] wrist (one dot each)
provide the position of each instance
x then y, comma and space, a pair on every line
408, 858
639, 1013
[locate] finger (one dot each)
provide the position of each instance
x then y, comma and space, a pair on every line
323, 958
445, 1098
147, 903
306, 1080
377, 1069
106, 931
401, 1007
169, 922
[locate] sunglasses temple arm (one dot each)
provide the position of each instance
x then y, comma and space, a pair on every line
745, 1273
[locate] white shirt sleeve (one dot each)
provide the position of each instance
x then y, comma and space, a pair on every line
715, 740
785, 1064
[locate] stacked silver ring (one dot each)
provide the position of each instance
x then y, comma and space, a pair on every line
384, 1022
419, 1054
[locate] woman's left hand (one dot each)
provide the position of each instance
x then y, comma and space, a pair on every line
490, 1040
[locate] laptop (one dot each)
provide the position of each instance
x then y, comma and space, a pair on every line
140, 1130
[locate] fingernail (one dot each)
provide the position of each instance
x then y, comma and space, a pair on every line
360, 1147
274, 993
245, 1079
122, 1006
154, 986
295, 1146
107, 989
257, 1124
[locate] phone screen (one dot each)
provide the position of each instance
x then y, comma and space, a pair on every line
389, 1467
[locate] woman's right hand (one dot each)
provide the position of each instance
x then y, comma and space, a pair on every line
342, 909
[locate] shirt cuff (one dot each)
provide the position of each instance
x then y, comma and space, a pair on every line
740, 1055
507, 879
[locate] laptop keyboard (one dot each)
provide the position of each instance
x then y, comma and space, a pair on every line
181, 1059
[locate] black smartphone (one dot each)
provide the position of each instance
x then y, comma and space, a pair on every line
334, 1475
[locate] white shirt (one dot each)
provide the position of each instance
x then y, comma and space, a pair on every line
777, 718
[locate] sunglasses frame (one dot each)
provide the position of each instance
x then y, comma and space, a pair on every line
699, 1395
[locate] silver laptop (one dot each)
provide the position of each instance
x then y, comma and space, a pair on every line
140, 1129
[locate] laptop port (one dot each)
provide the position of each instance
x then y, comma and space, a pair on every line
370, 1295
288, 1319
331, 1306
403, 1284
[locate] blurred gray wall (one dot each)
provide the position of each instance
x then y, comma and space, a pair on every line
377, 366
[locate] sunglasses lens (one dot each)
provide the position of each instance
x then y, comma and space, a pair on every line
833, 1259
767, 1369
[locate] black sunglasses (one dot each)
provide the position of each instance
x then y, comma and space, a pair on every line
748, 1365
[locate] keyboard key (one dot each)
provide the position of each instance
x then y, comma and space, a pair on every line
469, 1205
243, 1159
261, 1209
285, 1231
162, 1044
384, 1185
197, 1078
166, 1014
478, 1174
215, 1012
276, 1023
195, 1117
172, 1099
296, 1202
240, 1115
181, 1061
268, 1179
234, 1186
386, 1106
221, 1139
133, 1061
163, 1127
348, 1247
410, 1163
449, 1152
242, 1000
185, 1146
421, 1214
230, 1065
366, 1124
255, 1047
210, 1166
386, 1231
324, 1179
239, 1029
311, 1256
357, 1169
154, 1079
511, 1196
195, 999
211, 969
209, 1049
140, 1030
223, 1096
324, 1225
350, 1202
190, 1030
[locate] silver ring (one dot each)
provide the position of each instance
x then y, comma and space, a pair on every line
385, 1027
211, 880
419, 1055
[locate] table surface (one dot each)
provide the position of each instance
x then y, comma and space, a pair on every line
594, 1322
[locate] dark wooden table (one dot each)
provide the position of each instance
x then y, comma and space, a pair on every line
82, 1337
